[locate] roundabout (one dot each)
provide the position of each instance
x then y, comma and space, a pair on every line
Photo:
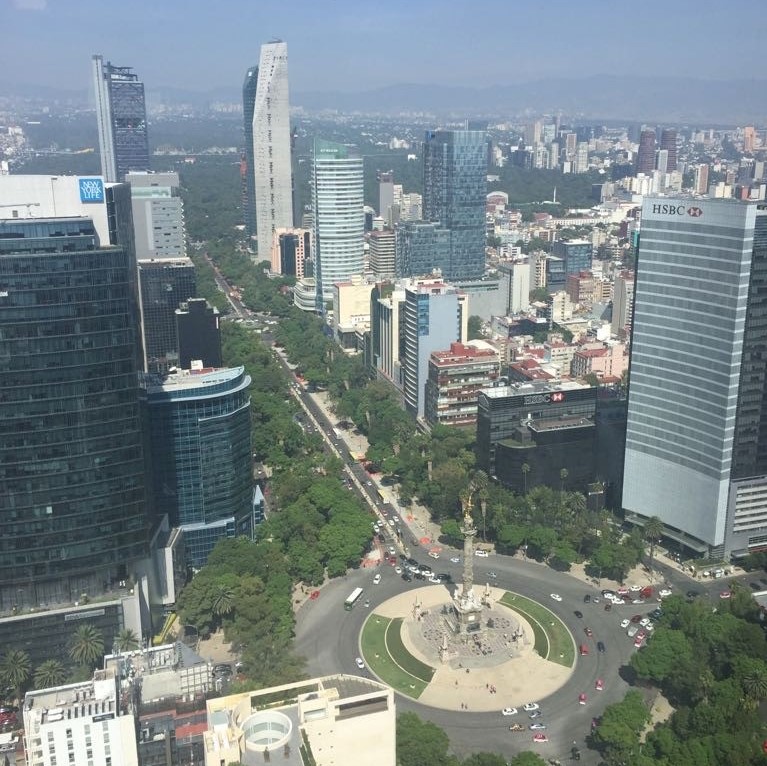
411, 643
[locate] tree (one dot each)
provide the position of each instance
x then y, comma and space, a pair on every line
50, 673
525, 471
127, 640
486, 759
16, 670
668, 650
223, 600
653, 530
420, 743
755, 684
475, 328
86, 645
527, 758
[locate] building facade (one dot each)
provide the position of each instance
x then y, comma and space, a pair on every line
576, 255
73, 512
339, 221
420, 248
623, 304
697, 411
164, 285
454, 194
382, 254
199, 429
272, 160
291, 248
249, 88
645, 161
435, 315
158, 215
121, 116
455, 379
199, 334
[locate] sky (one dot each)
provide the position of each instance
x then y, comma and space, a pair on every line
339, 45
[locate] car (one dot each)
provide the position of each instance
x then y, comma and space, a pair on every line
635, 588
391, 522
594, 724
482, 554
601, 647
632, 630
360, 663
586, 599
641, 635
725, 594
392, 550
636, 618
528, 707
434, 579
492, 575
509, 711
425, 569
419, 576
599, 685
623, 592
377, 579
638, 641
516, 727
535, 714
433, 554
608, 593
369, 483
556, 596
537, 727
625, 623
444, 577
455, 560
588, 631
609, 606
618, 601
644, 621
578, 614
582, 699
638, 601
583, 650
540, 738
650, 627
595, 600
414, 568
407, 577
664, 592
656, 614
367, 603
398, 570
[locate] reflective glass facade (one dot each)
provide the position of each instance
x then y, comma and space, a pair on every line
454, 194
420, 248
199, 425
249, 192
697, 363
72, 501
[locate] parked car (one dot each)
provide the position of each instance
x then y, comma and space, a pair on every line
588, 631
377, 579
584, 650
599, 685
586, 598
516, 727
482, 554
578, 614
509, 711
360, 663
625, 623
601, 647
537, 726
528, 707
582, 699
538, 738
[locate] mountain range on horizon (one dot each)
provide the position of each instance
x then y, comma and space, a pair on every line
647, 99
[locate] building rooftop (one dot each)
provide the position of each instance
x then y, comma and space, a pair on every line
187, 380
533, 387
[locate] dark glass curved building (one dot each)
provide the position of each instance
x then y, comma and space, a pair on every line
72, 497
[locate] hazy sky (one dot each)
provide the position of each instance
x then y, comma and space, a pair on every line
344, 45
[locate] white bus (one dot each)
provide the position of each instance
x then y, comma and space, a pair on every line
354, 597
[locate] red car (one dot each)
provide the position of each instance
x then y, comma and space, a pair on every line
540, 738
582, 699
584, 650
599, 685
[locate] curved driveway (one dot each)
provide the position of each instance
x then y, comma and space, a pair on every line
329, 637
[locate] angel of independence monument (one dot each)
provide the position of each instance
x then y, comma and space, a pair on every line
467, 607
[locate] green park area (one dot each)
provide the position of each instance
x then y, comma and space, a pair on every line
553, 640
387, 657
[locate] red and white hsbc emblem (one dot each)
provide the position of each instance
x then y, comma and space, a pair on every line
557, 396
694, 212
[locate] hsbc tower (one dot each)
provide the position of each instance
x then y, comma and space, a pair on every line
696, 442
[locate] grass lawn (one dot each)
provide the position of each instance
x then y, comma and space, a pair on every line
556, 644
377, 655
402, 656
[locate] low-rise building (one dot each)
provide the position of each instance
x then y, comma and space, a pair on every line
455, 378
607, 361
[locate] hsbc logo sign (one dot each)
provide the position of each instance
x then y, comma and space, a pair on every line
556, 396
667, 209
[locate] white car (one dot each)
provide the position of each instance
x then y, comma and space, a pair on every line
455, 560
433, 554
360, 663
618, 601
392, 550
377, 579
625, 623
644, 621
528, 707
509, 711
650, 627
482, 554
434, 579
390, 522
635, 588
556, 596
665, 592
398, 570
638, 601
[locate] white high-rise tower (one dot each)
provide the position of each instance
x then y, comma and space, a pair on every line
273, 177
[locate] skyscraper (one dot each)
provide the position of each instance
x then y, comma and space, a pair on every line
271, 165
696, 446
646, 153
454, 194
249, 193
158, 215
121, 116
73, 516
668, 143
339, 221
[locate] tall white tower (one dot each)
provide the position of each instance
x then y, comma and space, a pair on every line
339, 220
273, 176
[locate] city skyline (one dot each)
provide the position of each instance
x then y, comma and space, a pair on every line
385, 46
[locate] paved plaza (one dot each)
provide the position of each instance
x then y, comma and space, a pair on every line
487, 674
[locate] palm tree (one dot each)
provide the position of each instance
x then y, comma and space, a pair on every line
127, 640
87, 645
50, 673
16, 670
525, 471
755, 685
223, 600
653, 530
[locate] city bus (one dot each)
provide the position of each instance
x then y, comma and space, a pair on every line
354, 597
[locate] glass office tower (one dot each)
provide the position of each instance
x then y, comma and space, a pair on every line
454, 194
72, 498
121, 115
249, 87
696, 445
